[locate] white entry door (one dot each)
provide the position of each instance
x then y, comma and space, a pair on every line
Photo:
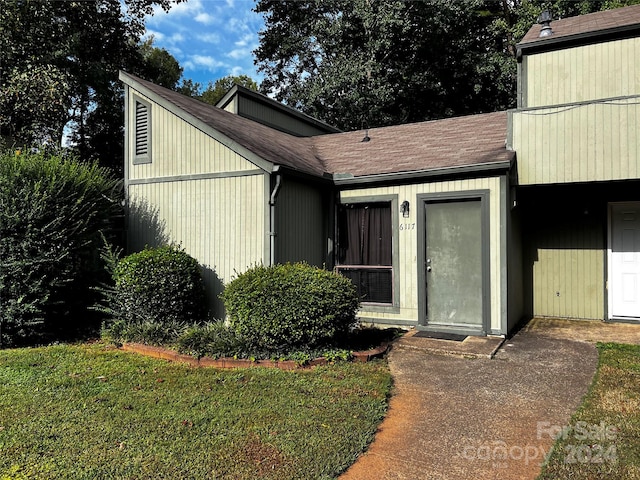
624, 261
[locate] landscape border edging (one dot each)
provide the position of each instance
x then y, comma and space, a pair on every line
230, 363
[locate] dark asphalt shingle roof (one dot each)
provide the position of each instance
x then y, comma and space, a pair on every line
437, 144
584, 24
269, 144
453, 142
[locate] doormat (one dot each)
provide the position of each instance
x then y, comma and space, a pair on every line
441, 336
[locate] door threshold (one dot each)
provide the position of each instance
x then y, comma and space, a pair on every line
449, 329
454, 337
632, 320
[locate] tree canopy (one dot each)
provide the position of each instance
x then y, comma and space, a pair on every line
355, 63
59, 67
216, 90
160, 66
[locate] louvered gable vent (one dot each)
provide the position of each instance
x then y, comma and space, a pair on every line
142, 129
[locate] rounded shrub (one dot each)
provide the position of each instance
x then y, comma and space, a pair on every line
283, 307
159, 285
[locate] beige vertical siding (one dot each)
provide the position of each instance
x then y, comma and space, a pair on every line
602, 70
232, 106
579, 143
179, 148
565, 265
218, 221
407, 268
218, 217
302, 213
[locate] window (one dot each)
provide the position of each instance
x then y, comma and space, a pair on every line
142, 142
365, 249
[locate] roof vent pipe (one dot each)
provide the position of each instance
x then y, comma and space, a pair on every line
544, 19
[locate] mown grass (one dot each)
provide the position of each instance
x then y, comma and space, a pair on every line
605, 440
92, 411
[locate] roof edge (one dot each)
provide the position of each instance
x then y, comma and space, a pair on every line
547, 44
265, 100
348, 179
224, 101
260, 162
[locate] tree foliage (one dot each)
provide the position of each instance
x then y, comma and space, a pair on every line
59, 67
34, 101
357, 63
216, 90
161, 67
54, 213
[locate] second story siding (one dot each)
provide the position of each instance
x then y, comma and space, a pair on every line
581, 74
578, 115
588, 142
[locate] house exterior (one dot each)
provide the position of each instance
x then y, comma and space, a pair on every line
463, 225
576, 137
209, 180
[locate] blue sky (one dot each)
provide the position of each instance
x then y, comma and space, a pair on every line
209, 38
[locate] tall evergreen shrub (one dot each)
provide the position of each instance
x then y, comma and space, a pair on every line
54, 211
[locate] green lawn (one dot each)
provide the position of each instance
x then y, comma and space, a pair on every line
605, 440
91, 411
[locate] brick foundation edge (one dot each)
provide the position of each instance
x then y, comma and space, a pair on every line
173, 356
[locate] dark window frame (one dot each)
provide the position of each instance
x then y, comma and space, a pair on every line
393, 306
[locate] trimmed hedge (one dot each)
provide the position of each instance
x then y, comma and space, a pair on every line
284, 307
160, 285
54, 213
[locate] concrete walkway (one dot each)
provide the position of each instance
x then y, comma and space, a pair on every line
473, 417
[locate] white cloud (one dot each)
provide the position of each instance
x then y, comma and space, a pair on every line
157, 36
177, 38
245, 45
189, 8
238, 25
205, 61
208, 37
238, 70
204, 18
246, 40
238, 53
